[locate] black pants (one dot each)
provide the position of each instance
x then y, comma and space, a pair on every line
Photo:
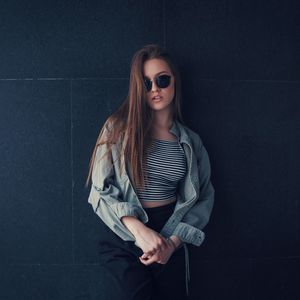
126, 278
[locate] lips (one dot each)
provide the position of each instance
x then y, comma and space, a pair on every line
157, 98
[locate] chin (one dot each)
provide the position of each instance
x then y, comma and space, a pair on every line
159, 105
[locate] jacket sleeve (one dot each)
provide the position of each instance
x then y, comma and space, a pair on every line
189, 230
106, 197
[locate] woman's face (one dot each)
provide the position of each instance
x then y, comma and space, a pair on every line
153, 68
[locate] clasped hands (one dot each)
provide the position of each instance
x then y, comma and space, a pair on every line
156, 248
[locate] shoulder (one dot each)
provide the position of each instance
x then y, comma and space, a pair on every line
193, 135
108, 126
110, 131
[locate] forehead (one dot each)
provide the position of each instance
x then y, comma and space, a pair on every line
154, 66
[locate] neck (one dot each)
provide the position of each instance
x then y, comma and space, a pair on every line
163, 120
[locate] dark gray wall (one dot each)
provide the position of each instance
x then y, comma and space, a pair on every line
64, 67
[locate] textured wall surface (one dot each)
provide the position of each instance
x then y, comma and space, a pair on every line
64, 67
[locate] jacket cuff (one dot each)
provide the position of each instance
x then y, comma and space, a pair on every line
189, 234
123, 209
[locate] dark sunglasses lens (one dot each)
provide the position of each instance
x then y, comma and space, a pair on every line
163, 81
148, 84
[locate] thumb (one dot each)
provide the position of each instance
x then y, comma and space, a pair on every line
144, 256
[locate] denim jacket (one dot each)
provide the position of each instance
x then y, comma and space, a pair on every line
113, 196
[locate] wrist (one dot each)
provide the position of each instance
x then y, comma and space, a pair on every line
176, 240
171, 242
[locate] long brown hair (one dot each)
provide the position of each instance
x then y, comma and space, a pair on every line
133, 118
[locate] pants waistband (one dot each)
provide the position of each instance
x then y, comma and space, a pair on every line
160, 208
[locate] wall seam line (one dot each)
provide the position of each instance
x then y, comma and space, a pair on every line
164, 24
72, 168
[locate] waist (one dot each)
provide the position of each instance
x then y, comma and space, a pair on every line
156, 203
159, 215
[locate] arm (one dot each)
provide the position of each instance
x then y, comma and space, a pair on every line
190, 228
106, 197
122, 217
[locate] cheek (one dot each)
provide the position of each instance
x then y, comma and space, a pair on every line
149, 98
171, 92
172, 87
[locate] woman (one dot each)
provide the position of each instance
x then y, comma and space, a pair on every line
151, 186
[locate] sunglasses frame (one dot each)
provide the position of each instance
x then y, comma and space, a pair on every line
148, 83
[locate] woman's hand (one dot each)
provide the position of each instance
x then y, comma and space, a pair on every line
156, 248
161, 257
150, 241
147, 239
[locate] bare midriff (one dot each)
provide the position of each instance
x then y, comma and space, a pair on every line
149, 204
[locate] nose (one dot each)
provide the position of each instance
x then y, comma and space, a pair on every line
154, 86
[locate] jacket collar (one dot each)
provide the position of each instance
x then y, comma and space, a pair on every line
178, 129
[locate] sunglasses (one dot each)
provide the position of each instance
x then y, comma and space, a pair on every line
162, 81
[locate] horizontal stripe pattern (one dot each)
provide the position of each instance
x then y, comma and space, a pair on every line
165, 167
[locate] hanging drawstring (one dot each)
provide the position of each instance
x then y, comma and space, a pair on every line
187, 268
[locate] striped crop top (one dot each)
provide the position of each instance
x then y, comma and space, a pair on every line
165, 167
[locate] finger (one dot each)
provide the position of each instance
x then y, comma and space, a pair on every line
145, 256
149, 261
162, 245
159, 248
143, 261
164, 248
150, 252
164, 242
